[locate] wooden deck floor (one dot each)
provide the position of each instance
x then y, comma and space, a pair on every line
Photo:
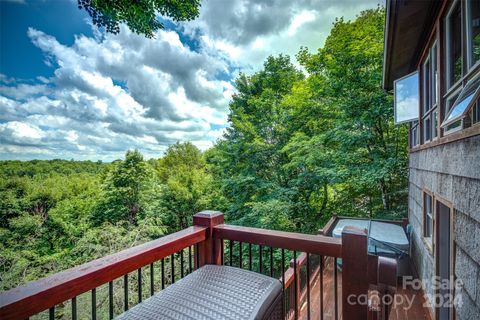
399, 312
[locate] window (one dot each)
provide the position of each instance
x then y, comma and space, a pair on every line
427, 129
434, 88
475, 113
434, 124
406, 98
428, 217
454, 45
414, 137
465, 100
430, 93
427, 85
473, 29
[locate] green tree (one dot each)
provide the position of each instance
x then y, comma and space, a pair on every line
139, 15
251, 157
319, 144
124, 188
187, 185
369, 148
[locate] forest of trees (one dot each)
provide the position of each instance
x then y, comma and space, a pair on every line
302, 144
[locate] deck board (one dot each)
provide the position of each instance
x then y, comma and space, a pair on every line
400, 312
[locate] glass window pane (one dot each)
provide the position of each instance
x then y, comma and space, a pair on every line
449, 104
428, 212
428, 227
426, 129
406, 98
476, 112
454, 125
434, 124
434, 75
455, 44
414, 134
426, 85
474, 10
464, 99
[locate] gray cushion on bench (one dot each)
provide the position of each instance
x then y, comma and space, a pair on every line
211, 292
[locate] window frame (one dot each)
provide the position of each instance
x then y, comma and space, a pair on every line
395, 98
469, 36
455, 96
414, 134
428, 240
474, 113
430, 88
441, 36
448, 36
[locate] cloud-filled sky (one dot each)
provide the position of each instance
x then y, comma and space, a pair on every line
68, 90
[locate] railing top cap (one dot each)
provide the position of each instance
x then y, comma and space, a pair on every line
209, 214
354, 230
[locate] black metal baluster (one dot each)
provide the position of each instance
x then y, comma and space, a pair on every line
181, 263
125, 292
271, 261
250, 256
197, 254
260, 258
51, 313
230, 253
295, 283
308, 286
321, 287
172, 266
335, 287
152, 280
190, 259
139, 279
163, 274
240, 253
283, 284
74, 308
110, 300
94, 303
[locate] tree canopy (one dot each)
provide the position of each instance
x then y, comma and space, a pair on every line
141, 16
300, 148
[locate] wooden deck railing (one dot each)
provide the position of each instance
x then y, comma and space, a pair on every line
214, 242
27, 300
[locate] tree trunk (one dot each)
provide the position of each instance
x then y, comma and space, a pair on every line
383, 190
325, 197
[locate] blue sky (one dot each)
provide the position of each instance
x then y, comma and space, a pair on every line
19, 57
68, 90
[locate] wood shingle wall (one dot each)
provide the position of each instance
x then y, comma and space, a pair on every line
450, 171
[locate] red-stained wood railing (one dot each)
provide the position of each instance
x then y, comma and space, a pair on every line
208, 236
383, 284
34, 297
314, 244
296, 292
351, 248
302, 289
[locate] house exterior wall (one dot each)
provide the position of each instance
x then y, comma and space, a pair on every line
451, 172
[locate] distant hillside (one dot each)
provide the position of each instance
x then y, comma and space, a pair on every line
17, 168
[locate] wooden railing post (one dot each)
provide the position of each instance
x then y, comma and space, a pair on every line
209, 251
387, 282
354, 274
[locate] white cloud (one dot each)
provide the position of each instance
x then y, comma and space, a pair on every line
299, 20
21, 133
